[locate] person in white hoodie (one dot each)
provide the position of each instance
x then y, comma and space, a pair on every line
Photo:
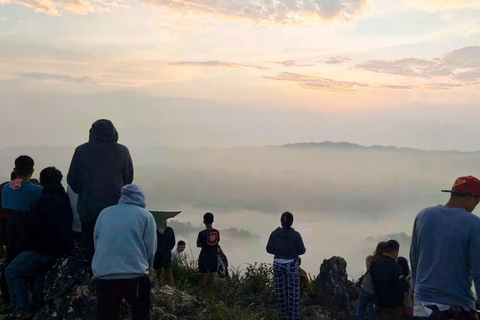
125, 243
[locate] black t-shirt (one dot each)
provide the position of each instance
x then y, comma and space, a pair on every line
388, 282
208, 239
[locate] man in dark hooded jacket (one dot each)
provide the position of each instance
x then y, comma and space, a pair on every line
98, 171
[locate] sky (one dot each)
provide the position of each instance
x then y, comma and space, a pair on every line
204, 73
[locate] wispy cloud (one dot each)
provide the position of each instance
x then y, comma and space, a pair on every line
56, 77
326, 84
216, 64
438, 5
461, 64
293, 63
337, 60
279, 11
53, 7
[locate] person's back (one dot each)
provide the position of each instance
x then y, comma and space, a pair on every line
285, 243
442, 245
52, 220
123, 239
99, 170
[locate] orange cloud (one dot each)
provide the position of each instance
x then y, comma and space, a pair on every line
437, 5
52, 7
216, 64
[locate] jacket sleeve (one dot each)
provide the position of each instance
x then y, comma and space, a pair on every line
414, 253
474, 253
171, 239
300, 246
271, 244
128, 170
75, 174
150, 239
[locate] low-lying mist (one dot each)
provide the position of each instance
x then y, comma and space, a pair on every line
344, 199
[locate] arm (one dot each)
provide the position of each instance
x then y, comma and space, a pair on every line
128, 170
150, 239
75, 173
300, 246
414, 254
171, 239
199, 241
474, 254
96, 231
271, 245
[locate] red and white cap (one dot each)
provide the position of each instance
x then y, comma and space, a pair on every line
469, 186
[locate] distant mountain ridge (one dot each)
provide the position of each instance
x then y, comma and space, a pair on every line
354, 146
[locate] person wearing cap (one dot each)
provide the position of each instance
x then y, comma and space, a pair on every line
208, 240
125, 245
445, 255
98, 171
17, 198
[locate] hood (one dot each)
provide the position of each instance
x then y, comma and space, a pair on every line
103, 131
286, 232
133, 194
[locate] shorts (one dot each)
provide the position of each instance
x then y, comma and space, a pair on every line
162, 260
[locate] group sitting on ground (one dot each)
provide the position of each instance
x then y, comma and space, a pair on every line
41, 221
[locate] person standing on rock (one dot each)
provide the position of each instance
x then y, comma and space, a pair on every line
286, 245
389, 284
51, 234
208, 240
98, 171
125, 245
445, 255
365, 300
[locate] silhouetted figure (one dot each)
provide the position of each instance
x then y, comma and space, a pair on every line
389, 284
163, 257
208, 240
286, 245
125, 245
445, 255
365, 300
3, 240
407, 301
98, 171
51, 235
17, 198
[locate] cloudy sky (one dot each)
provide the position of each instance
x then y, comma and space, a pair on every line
193, 73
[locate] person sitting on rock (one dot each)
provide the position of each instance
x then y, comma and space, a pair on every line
178, 254
365, 300
51, 217
17, 198
286, 245
389, 284
208, 240
163, 257
125, 243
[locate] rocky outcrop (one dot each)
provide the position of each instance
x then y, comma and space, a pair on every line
333, 289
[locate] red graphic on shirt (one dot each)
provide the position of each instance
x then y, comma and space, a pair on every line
212, 239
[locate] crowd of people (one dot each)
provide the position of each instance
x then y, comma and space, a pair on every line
104, 213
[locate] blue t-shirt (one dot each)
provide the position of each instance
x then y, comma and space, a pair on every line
20, 199
445, 256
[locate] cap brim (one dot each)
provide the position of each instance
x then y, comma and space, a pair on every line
457, 192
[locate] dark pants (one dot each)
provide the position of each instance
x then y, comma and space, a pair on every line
111, 292
390, 314
87, 233
365, 306
27, 266
11, 255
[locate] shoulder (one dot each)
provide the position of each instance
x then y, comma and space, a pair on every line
82, 147
122, 148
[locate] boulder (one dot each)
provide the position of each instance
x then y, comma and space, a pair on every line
333, 289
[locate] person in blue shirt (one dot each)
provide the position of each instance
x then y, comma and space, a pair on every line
445, 255
18, 196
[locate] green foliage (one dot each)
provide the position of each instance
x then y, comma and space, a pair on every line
244, 295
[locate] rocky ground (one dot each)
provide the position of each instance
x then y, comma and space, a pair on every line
70, 295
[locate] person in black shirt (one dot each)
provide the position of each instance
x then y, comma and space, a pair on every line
208, 240
389, 284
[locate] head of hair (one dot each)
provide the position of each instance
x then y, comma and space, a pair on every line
181, 243
13, 175
403, 263
392, 246
208, 218
287, 219
23, 166
379, 250
50, 176
35, 181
